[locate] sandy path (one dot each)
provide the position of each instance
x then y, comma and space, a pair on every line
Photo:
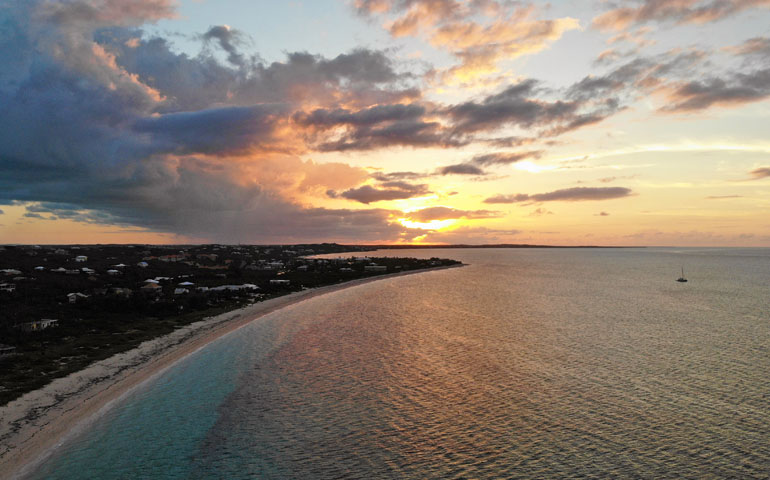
34, 424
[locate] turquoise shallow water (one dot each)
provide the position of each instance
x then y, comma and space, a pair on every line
524, 364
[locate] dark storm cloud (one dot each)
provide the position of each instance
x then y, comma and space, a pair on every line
325, 118
565, 195
515, 105
99, 123
375, 127
526, 105
220, 130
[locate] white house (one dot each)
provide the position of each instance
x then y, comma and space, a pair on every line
276, 281
7, 287
113, 272
37, 325
143, 264
180, 291
81, 258
75, 297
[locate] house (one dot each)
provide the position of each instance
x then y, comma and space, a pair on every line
151, 288
120, 265
39, 269
235, 288
122, 292
276, 281
89, 271
6, 350
75, 297
302, 268
60, 251
10, 271
172, 258
37, 325
180, 291
113, 272
143, 264
81, 258
59, 270
375, 268
72, 272
7, 287
346, 269
186, 284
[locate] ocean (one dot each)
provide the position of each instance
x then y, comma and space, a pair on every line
527, 363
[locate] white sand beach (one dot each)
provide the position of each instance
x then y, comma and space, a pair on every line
34, 424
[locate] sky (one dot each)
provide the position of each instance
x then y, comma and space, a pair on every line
596, 122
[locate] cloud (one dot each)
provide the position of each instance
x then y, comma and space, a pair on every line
736, 89
540, 212
386, 177
102, 123
426, 215
228, 39
502, 158
754, 47
473, 166
389, 191
479, 34
374, 127
519, 105
461, 169
762, 172
677, 11
566, 195
227, 130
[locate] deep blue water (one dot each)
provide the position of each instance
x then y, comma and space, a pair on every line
533, 363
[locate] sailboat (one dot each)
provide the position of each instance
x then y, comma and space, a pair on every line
681, 279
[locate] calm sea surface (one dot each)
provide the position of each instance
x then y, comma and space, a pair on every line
531, 363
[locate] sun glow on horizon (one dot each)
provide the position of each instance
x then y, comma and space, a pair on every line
432, 225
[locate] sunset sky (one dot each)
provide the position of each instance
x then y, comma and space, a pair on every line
385, 121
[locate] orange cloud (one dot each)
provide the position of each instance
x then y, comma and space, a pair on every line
678, 11
479, 34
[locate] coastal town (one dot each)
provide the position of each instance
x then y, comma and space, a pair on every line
64, 307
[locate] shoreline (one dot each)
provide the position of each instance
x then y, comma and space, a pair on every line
33, 425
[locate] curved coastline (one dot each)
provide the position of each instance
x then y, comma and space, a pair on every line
32, 426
